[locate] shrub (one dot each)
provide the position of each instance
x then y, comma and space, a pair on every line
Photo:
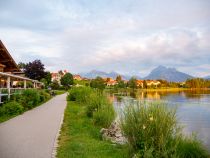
100, 109
11, 108
80, 94
44, 95
30, 98
104, 115
152, 130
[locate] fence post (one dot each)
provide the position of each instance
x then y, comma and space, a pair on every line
8, 86
25, 85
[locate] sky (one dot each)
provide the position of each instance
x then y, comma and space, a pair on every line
131, 37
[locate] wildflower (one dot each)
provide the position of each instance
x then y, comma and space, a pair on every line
144, 126
151, 118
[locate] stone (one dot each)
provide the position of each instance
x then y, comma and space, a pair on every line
113, 133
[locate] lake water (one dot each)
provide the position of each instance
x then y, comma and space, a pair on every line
193, 108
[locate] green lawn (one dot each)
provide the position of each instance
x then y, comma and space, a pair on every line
81, 139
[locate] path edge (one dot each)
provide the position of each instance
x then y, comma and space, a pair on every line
55, 144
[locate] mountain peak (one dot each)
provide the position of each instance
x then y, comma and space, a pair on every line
169, 74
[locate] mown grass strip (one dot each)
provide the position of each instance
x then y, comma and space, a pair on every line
80, 138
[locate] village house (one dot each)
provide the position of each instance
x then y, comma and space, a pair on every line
56, 76
77, 77
153, 83
111, 83
140, 83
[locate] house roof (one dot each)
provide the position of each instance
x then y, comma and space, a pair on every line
7, 60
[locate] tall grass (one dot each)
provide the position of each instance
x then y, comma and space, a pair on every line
152, 130
97, 104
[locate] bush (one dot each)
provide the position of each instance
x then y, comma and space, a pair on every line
100, 109
97, 105
104, 115
11, 108
152, 130
30, 98
44, 95
80, 94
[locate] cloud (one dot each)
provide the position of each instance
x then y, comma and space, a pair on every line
128, 36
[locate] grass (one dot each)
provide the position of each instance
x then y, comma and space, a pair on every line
59, 92
152, 130
80, 138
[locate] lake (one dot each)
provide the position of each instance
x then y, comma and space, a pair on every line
193, 108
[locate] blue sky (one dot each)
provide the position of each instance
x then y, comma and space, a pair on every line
128, 36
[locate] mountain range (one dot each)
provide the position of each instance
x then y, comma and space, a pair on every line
94, 73
160, 72
169, 74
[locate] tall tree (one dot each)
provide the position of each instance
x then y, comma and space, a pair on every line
35, 70
98, 83
67, 80
119, 78
22, 66
132, 83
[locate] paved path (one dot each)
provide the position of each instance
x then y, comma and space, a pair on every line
32, 135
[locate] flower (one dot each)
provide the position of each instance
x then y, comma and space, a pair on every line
144, 126
151, 118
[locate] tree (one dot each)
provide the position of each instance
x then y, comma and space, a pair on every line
132, 83
22, 66
48, 77
119, 78
67, 80
121, 84
35, 70
98, 83
144, 84
55, 85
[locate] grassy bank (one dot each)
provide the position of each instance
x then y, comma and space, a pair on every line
80, 138
152, 130
19, 103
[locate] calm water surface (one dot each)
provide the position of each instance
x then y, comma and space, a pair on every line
193, 108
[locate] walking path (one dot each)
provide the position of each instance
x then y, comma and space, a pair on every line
32, 135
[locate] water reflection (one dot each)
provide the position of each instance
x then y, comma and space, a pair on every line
193, 110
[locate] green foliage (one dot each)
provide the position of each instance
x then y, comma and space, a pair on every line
80, 138
119, 78
44, 95
104, 114
67, 80
11, 108
30, 98
80, 94
121, 84
97, 105
191, 148
132, 83
24, 101
55, 85
152, 131
197, 83
48, 77
98, 83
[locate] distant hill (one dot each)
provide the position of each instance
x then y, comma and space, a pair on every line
169, 74
207, 77
95, 73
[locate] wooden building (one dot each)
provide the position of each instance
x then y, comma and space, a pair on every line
8, 75
7, 63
